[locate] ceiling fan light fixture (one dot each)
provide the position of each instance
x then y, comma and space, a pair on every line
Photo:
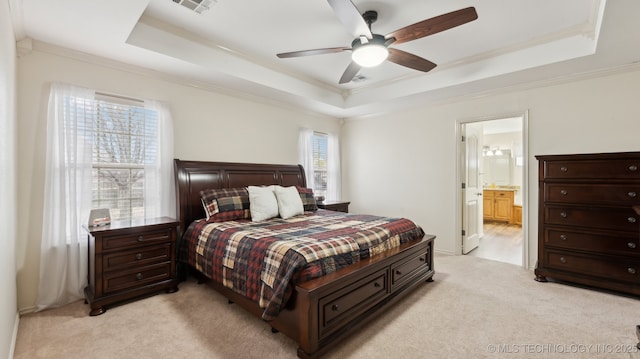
369, 52
370, 55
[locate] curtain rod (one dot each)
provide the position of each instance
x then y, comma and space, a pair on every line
119, 96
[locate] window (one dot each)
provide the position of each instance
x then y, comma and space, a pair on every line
320, 160
319, 154
102, 151
123, 141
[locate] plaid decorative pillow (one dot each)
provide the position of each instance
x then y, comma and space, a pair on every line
226, 204
308, 201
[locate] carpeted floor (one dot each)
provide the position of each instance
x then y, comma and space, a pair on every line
476, 308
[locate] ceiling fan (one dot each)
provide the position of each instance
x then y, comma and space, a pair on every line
371, 49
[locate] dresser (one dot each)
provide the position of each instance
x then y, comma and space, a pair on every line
129, 259
588, 229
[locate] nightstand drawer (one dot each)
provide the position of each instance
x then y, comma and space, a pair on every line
136, 277
138, 238
137, 258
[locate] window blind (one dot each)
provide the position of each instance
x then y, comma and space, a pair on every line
320, 159
124, 139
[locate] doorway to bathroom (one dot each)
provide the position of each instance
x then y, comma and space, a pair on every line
493, 183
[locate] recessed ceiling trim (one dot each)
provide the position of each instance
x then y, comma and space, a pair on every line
574, 36
217, 60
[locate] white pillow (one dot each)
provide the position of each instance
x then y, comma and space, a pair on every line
262, 203
289, 201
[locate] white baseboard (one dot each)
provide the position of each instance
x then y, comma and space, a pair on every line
16, 323
438, 251
27, 310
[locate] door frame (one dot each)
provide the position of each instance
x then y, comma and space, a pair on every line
525, 180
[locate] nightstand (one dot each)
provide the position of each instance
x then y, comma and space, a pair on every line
339, 206
129, 259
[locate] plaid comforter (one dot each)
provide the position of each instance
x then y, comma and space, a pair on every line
262, 260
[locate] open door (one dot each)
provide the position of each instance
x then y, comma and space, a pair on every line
472, 189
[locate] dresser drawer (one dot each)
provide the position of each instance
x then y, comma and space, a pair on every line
403, 270
344, 305
591, 241
620, 269
136, 277
122, 241
137, 258
593, 217
617, 194
625, 168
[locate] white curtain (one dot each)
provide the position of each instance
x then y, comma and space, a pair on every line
67, 196
333, 168
305, 155
159, 195
68, 181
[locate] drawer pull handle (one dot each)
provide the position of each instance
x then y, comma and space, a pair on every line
564, 169
631, 245
563, 192
398, 272
140, 239
631, 270
563, 214
139, 276
563, 260
377, 285
633, 168
632, 194
422, 259
563, 237
335, 308
139, 256
631, 219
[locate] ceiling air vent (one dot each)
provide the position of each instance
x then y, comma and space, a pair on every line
359, 78
196, 5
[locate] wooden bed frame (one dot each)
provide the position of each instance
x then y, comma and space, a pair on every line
324, 310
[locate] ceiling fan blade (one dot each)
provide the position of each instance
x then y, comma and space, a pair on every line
434, 25
350, 16
349, 73
410, 60
329, 50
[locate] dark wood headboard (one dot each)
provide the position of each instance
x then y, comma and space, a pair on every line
195, 176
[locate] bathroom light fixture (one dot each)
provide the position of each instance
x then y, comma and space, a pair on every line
369, 52
487, 151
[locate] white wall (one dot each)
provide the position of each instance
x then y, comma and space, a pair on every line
405, 163
8, 306
207, 126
